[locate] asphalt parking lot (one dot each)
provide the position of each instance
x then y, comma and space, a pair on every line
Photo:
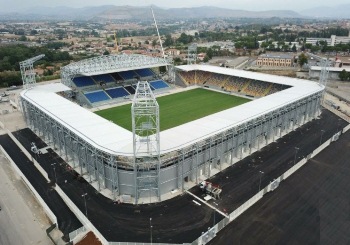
241, 181
310, 207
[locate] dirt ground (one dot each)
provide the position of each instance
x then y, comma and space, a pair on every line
89, 239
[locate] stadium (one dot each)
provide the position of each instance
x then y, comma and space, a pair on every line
142, 161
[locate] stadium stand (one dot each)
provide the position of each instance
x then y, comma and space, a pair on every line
202, 77
127, 75
255, 88
235, 84
188, 77
144, 72
103, 78
96, 96
130, 89
213, 79
83, 81
159, 84
232, 84
117, 77
117, 92
276, 88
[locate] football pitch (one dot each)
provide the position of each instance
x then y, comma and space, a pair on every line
179, 108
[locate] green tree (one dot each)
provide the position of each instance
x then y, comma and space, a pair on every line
264, 44
177, 60
209, 53
294, 48
272, 46
302, 59
343, 75
10, 78
33, 32
154, 43
22, 38
185, 39
308, 45
168, 40
206, 59
315, 49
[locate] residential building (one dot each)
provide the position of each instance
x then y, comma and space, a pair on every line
279, 60
333, 40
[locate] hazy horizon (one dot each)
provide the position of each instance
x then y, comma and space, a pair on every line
253, 5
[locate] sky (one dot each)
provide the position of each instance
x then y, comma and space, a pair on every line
255, 5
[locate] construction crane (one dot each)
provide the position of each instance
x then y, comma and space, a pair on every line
159, 39
27, 71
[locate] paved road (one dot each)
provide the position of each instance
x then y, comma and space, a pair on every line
67, 222
310, 207
21, 221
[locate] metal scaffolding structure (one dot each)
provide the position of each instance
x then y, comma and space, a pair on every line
324, 75
146, 147
27, 71
324, 72
192, 54
109, 64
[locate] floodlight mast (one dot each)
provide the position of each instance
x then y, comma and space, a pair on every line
192, 54
27, 71
146, 147
324, 76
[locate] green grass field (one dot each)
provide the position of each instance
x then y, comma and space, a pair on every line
179, 108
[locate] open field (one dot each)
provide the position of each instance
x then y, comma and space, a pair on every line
177, 109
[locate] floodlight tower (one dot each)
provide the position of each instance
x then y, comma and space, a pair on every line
146, 148
27, 71
324, 75
192, 54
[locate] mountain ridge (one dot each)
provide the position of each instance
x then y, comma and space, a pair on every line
132, 12
339, 11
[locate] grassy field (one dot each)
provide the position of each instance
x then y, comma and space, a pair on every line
177, 109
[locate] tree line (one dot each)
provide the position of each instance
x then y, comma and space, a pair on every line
344, 75
11, 55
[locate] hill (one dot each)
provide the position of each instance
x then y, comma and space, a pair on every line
337, 12
112, 12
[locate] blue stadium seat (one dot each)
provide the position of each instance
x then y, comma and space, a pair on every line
83, 81
144, 72
96, 96
103, 78
158, 84
127, 75
117, 92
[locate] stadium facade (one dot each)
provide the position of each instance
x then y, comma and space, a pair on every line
103, 152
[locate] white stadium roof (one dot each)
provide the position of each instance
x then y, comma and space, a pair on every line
116, 140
